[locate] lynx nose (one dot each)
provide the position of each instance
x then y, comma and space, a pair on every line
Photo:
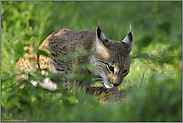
116, 85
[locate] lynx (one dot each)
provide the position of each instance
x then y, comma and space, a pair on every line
113, 61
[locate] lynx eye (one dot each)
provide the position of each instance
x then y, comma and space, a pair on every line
125, 72
110, 68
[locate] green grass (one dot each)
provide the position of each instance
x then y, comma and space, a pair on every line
156, 68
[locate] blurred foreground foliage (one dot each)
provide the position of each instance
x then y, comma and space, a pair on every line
156, 68
158, 100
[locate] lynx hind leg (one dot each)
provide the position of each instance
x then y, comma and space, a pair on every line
26, 64
29, 64
47, 84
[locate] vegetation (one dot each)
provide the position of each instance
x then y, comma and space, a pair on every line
156, 69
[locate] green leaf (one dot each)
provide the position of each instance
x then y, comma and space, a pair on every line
41, 52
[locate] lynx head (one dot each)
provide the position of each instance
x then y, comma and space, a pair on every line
114, 61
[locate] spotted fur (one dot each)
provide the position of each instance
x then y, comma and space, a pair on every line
113, 62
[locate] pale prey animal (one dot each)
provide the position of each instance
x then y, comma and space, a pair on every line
113, 61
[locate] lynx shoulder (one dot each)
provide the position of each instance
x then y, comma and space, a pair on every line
113, 61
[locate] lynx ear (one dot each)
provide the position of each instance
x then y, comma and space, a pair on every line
100, 35
101, 41
128, 39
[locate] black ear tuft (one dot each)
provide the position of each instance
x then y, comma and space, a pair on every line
98, 22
